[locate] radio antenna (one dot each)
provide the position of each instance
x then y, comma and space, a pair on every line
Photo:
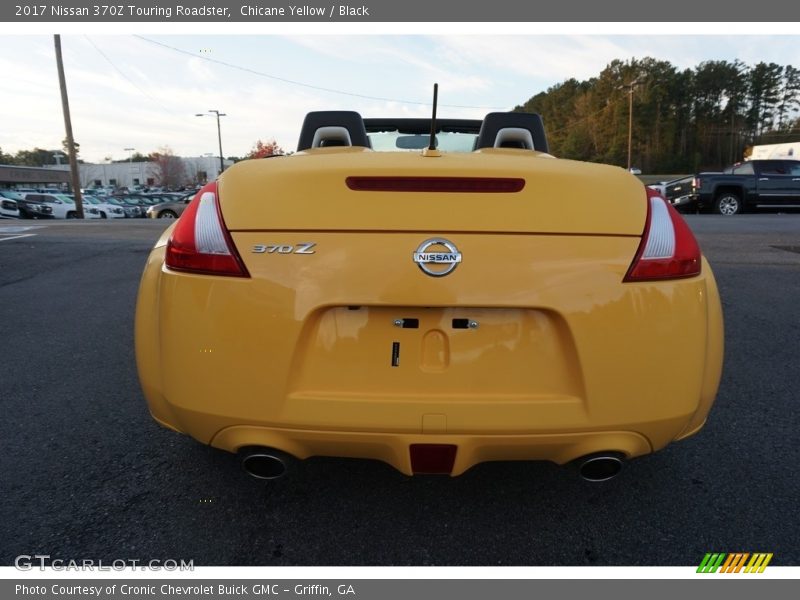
432, 144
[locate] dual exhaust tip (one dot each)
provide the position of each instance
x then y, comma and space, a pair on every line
601, 466
269, 463
265, 463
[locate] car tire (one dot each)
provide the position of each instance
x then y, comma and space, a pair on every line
728, 204
167, 214
103, 215
72, 215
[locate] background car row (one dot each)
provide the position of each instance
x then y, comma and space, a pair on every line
54, 204
139, 205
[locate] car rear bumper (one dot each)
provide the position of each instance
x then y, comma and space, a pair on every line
394, 448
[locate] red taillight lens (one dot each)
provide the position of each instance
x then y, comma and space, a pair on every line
200, 243
668, 249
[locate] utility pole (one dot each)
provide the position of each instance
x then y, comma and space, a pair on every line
73, 160
630, 124
630, 87
733, 130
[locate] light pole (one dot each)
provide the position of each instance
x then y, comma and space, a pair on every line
130, 164
214, 112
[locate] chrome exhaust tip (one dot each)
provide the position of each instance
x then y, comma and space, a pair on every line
265, 463
600, 467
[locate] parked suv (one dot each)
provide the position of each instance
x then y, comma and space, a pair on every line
63, 206
28, 209
8, 208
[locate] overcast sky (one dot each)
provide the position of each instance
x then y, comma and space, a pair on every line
127, 91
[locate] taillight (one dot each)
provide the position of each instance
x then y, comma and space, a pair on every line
668, 249
200, 243
696, 183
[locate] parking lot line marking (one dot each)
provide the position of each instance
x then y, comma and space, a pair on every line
19, 228
14, 237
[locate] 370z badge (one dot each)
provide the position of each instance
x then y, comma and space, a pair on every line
299, 248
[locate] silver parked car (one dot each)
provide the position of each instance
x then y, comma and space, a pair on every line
170, 210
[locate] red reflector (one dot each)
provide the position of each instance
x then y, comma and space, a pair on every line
432, 459
490, 185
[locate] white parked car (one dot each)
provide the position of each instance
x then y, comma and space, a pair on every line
63, 206
106, 209
8, 208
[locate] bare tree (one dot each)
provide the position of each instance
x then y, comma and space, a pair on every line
168, 169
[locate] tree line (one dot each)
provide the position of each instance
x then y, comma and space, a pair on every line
38, 156
683, 121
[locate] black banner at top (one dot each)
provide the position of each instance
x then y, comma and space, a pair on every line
265, 11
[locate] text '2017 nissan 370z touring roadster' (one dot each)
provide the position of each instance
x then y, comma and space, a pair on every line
432, 294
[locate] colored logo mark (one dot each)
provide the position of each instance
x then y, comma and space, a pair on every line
734, 562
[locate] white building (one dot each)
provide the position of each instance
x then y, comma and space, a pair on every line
198, 169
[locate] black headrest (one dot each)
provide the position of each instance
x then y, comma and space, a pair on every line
348, 119
494, 122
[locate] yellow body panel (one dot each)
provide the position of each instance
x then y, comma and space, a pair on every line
565, 360
307, 192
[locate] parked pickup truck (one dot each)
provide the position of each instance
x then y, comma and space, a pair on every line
748, 185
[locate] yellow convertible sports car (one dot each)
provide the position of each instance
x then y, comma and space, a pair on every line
433, 294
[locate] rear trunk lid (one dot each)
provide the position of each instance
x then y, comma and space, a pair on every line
309, 192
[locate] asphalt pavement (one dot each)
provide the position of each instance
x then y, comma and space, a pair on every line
87, 474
